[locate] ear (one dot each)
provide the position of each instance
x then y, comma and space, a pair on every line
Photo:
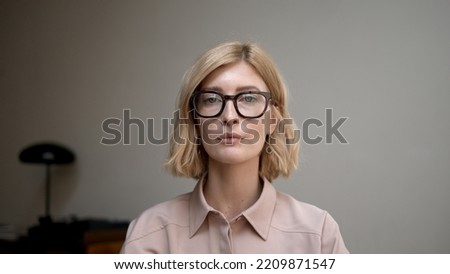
272, 118
196, 124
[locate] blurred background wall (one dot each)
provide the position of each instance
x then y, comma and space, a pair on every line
66, 66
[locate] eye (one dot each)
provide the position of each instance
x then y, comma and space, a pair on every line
249, 98
210, 99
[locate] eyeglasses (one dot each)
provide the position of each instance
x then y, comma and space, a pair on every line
249, 104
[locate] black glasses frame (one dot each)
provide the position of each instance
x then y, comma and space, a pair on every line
225, 98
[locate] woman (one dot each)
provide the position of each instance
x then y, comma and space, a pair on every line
234, 135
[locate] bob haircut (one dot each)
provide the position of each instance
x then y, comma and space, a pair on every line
187, 156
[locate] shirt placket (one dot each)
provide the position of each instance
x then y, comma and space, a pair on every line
220, 233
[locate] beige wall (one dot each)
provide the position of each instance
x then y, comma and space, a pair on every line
65, 66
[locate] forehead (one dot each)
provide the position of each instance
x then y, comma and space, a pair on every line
234, 77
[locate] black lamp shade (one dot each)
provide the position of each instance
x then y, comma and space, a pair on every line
46, 154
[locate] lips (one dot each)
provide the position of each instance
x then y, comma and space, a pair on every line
230, 138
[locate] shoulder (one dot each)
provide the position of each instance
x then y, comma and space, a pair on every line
291, 214
157, 218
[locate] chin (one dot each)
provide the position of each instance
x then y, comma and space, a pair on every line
233, 157
231, 161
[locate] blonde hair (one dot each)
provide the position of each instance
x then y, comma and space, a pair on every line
188, 158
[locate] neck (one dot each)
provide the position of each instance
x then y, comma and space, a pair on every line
232, 189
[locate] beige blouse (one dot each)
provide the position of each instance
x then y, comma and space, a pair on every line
276, 223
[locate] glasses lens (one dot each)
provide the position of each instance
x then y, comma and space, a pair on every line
208, 103
251, 104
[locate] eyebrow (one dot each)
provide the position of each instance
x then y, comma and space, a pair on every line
243, 88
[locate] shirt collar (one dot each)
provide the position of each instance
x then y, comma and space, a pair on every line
198, 208
259, 215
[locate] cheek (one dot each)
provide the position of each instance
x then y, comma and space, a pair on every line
209, 128
255, 131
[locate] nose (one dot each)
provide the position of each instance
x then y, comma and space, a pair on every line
229, 114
